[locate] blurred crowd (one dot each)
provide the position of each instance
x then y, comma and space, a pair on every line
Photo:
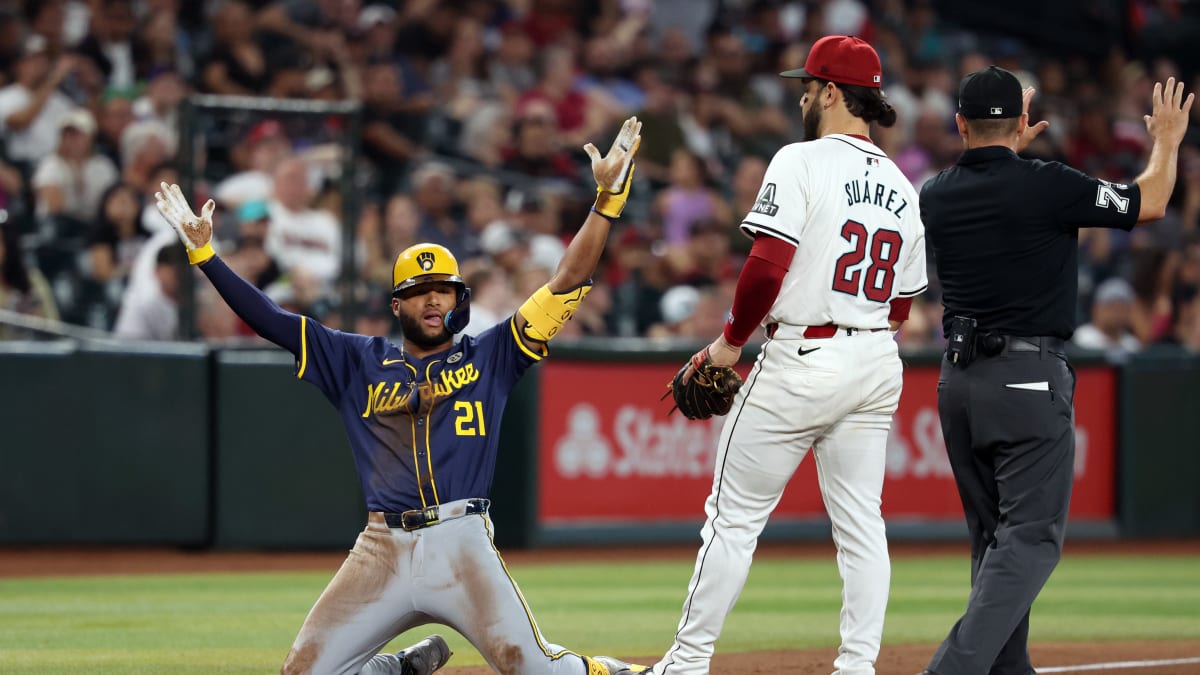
474, 112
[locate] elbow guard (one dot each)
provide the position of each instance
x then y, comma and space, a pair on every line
545, 312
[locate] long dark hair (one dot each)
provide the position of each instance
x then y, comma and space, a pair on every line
104, 224
13, 271
868, 103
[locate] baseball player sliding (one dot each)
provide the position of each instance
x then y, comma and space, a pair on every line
423, 420
838, 254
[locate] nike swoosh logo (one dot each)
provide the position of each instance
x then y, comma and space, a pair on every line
802, 351
388, 362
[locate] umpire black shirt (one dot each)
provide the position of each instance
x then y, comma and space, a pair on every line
1004, 233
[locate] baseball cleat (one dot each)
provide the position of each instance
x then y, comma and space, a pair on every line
615, 666
426, 656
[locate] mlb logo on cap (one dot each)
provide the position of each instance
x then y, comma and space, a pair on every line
991, 93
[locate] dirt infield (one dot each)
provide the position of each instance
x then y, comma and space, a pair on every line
911, 659
894, 659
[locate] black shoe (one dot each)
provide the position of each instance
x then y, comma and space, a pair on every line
426, 656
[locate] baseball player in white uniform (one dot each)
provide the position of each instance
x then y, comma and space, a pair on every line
838, 254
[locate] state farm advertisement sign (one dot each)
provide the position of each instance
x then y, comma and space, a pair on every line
608, 451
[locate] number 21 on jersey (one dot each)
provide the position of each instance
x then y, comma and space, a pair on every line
468, 418
876, 283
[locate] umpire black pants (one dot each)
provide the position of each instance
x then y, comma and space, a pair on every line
1008, 424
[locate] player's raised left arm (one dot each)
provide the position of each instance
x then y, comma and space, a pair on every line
541, 316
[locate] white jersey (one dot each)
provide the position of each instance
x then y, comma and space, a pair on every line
856, 224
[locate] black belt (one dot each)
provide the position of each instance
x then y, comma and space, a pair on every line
418, 518
1016, 343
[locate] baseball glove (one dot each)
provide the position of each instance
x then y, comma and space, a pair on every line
708, 392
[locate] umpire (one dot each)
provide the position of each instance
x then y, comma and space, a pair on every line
1004, 234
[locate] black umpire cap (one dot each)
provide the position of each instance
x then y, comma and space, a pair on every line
990, 94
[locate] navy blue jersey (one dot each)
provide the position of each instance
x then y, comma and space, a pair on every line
423, 431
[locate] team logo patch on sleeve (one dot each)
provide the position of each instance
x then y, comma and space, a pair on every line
765, 204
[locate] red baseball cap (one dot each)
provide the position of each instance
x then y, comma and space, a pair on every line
263, 130
841, 59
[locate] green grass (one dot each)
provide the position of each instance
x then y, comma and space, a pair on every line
244, 623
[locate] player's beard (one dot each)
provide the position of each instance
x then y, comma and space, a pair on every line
812, 121
415, 332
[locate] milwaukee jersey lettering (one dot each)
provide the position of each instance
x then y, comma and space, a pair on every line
422, 431
855, 221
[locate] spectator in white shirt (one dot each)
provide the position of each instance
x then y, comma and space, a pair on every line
32, 107
72, 181
149, 309
1109, 329
300, 236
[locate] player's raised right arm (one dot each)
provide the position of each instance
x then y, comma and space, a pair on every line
255, 308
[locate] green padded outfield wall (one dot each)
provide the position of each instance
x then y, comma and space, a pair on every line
101, 446
1159, 446
285, 475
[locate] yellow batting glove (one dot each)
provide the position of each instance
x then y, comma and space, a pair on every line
610, 204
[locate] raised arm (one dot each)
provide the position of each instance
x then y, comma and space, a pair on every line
1166, 124
544, 313
250, 304
613, 174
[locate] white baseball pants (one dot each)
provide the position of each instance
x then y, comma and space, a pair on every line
837, 396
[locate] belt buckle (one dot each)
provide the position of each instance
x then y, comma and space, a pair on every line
419, 518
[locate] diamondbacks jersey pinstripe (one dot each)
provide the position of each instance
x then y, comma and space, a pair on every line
855, 221
422, 431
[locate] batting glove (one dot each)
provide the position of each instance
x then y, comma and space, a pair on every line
614, 171
194, 231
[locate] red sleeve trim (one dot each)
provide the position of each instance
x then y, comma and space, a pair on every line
900, 308
757, 287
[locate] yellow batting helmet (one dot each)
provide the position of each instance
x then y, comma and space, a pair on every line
424, 263
431, 263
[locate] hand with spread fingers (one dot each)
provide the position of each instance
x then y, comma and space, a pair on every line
1170, 111
1032, 130
195, 231
614, 172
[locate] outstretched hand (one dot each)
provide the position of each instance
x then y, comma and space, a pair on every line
1032, 131
612, 171
195, 231
1169, 112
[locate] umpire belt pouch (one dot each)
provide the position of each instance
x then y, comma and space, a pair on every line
432, 515
960, 342
991, 344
